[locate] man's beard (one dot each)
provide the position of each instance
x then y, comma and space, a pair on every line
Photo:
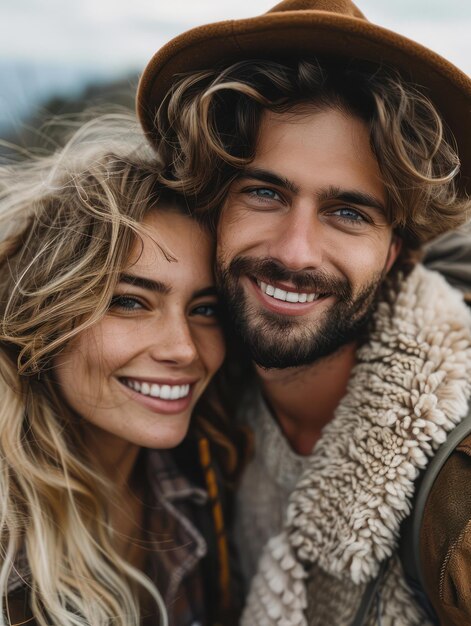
279, 341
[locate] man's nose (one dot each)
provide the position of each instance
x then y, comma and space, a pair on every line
174, 343
298, 241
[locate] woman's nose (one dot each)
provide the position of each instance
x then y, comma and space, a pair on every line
175, 343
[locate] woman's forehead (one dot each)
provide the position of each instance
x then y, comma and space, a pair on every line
172, 247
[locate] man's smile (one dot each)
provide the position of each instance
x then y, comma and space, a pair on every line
278, 299
289, 294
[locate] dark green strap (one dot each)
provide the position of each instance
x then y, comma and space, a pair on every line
371, 592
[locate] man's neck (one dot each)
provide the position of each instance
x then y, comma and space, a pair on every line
304, 399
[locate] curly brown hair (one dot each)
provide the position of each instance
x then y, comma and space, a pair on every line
210, 120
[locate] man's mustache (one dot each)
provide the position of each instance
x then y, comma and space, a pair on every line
271, 270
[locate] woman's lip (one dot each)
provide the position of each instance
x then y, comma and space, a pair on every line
282, 307
158, 405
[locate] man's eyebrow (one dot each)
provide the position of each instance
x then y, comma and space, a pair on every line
265, 176
351, 196
145, 283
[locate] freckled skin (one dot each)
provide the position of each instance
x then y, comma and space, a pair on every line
169, 336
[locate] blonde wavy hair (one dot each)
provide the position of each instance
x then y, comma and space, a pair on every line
208, 128
67, 224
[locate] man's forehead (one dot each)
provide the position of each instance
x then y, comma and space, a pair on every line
321, 150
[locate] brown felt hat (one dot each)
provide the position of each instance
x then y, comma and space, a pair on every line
306, 28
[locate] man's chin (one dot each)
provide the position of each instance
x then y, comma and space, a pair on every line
279, 342
275, 352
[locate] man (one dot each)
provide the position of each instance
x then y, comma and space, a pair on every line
316, 140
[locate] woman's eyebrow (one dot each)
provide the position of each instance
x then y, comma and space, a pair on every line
145, 283
207, 291
162, 288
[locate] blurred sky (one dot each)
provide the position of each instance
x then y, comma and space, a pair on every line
54, 45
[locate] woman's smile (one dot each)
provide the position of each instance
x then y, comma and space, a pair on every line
178, 396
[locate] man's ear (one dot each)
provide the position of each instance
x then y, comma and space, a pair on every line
394, 248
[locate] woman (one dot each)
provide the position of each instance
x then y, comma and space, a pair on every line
109, 337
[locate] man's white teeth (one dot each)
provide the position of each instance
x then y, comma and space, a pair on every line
164, 392
287, 296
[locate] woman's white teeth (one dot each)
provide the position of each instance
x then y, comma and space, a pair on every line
287, 296
164, 392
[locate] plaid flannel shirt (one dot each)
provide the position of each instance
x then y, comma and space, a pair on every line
180, 547
176, 549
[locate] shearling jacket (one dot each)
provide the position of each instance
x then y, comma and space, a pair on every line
410, 386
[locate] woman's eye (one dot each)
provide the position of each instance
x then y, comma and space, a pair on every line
206, 310
125, 303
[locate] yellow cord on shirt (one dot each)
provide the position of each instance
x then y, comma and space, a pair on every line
218, 518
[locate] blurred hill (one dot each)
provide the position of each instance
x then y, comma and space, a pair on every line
44, 129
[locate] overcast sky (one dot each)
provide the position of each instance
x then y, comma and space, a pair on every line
123, 34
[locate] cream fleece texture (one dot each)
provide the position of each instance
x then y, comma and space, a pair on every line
409, 388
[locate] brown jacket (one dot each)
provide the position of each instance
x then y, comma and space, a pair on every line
446, 540
446, 532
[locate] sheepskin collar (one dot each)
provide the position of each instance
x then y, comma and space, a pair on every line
410, 387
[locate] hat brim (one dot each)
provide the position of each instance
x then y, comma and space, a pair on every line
311, 33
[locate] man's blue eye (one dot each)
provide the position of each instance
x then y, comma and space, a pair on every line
126, 303
350, 215
265, 194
